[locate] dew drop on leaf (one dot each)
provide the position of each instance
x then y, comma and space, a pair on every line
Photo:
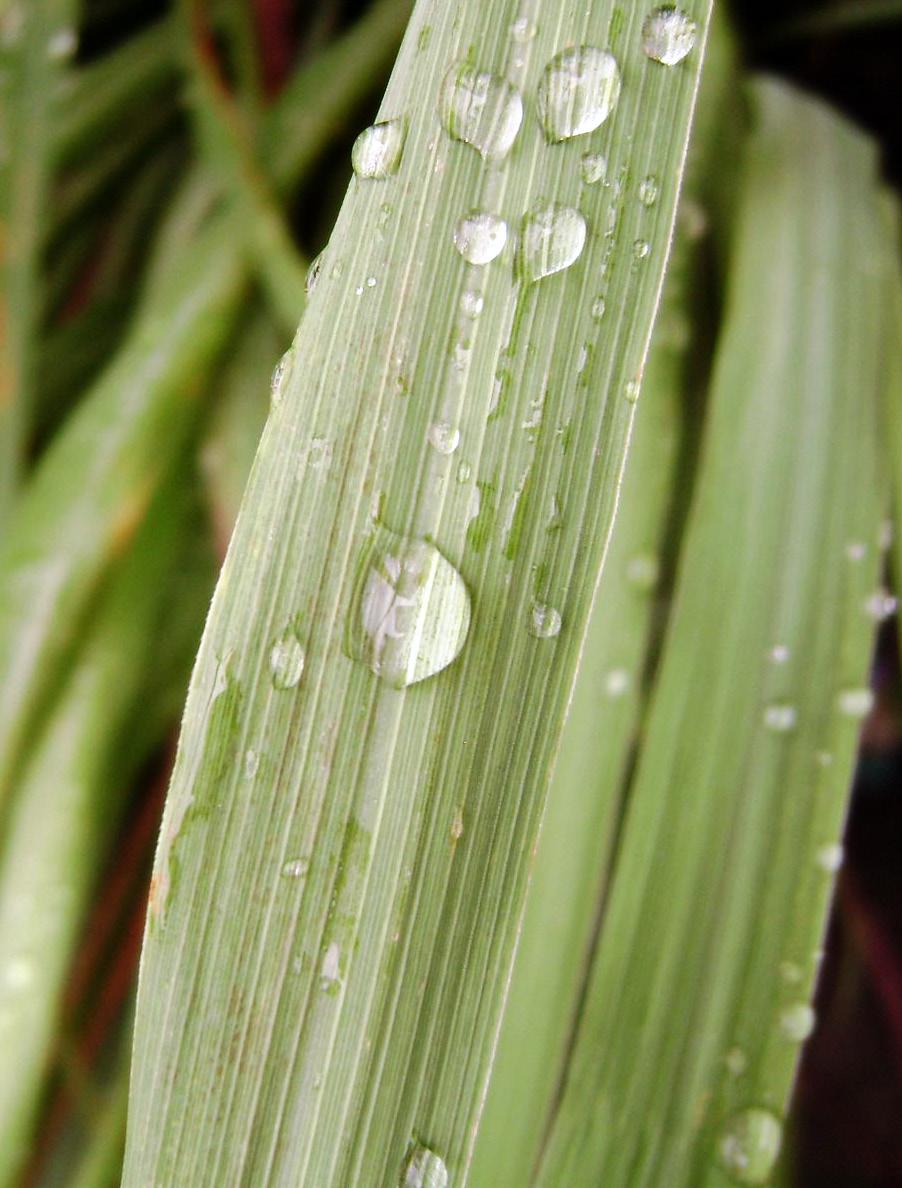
281, 376
552, 238
544, 621
593, 168
749, 1144
443, 437
780, 717
481, 109
480, 237
410, 613
830, 857
648, 191
378, 149
471, 303
578, 90
797, 1022
286, 661
856, 703
424, 1169
668, 35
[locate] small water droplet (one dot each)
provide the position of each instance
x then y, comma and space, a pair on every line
856, 550
641, 248
885, 536
790, 972
880, 606
443, 437
523, 29
286, 661
411, 610
281, 376
830, 857
464, 471
823, 758
736, 1062
593, 168
631, 390
617, 682
779, 654
62, 45
371, 282
749, 1145
642, 571
668, 35
471, 303
544, 621
578, 90
251, 764
295, 868
797, 1022
481, 109
552, 238
425, 1169
480, 237
378, 150
598, 308
780, 717
313, 274
855, 703
19, 973
330, 971
648, 191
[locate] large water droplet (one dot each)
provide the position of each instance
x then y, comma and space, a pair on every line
797, 1022
551, 239
668, 35
480, 237
780, 717
378, 149
481, 109
443, 437
425, 1169
578, 90
286, 660
856, 703
749, 1145
544, 621
411, 610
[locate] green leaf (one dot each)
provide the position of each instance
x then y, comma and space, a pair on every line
697, 1000
342, 865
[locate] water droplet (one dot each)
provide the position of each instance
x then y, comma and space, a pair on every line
856, 703
425, 1169
642, 571
544, 621
411, 610
736, 1062
749, 1145
443, 437
780, 717
631, 390
295, 868
648, 191
880, 606
779, 654
577, 92
330, 971
471, 303
281, 376
617, 682
463, 472
251, 764
313, 274
62, 44
598, 308
19, 973
593, 167
378, 149
523, 29
856, 550
481, 109
668, 35
641, 248
823, 758
480, 237
286, 661
830, 857
552, 239
790, 972
797, 1022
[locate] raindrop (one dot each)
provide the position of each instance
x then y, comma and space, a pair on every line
295, 868
749, 1145
880, 606
480, 237
830, 857
544, 621
593, 167
481, 109
552, 239
642, 571
471, 303
251, 764
779, 654
780, 717
378, 149
648, 191
856, 703
286, 661
425, 1169
464, 471
281, 376
443, 437
62, 45
577, 92
598, 308
411, 610
330, 972
797, 1022
523, 29
668, 35
641, 248
856, 550
617, 682
631, 390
